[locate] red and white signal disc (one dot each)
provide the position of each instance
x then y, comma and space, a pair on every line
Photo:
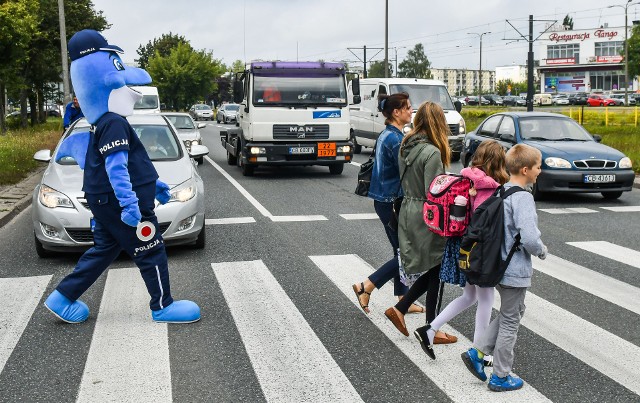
145, 231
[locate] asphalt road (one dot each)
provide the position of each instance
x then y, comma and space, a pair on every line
279, 318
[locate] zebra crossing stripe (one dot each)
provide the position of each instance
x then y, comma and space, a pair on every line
605, 287
129, 355
611, 251
19, 298
602, 350
622, 209
568, 210
230, 220
363, 216
448, 372
290, 361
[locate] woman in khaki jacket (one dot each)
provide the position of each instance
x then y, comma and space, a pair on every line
424, 153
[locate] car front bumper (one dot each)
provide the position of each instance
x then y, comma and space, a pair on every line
279, 154
572, 181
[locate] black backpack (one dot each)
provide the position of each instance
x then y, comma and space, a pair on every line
481, 247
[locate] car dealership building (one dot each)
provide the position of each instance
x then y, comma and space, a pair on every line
583, 60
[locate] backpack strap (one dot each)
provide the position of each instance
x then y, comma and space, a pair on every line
516, 244
506, 193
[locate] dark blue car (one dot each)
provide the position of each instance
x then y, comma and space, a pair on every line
572, 159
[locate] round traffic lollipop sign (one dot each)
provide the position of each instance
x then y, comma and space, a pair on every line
145, 231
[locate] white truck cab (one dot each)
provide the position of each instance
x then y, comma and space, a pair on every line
291, 113
367, 122
150, 102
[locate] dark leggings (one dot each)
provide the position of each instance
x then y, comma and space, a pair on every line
429, 282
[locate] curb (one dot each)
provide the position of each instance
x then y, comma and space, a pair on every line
15, 208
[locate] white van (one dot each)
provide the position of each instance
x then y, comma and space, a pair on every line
150, 102
367, 122
542, 99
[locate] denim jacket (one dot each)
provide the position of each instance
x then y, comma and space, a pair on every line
385, 178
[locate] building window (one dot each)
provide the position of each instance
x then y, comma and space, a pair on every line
609, 48
563, 51
606, 80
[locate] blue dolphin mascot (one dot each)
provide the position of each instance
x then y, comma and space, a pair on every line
120, 184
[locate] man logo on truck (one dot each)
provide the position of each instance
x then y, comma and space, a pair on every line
300, 129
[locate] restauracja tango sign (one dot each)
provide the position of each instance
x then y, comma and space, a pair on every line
598, 33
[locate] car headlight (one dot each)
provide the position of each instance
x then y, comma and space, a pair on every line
52, 198
625, 163
195, 142
463, 127
344, 149
183, 192
554, 162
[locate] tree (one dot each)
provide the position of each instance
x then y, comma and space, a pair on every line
376, 69
568, 22
516, 88
162, 45
416, 64
634, 52
184, 76
237, 66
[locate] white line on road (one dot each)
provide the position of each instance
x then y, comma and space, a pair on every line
622, 209
363, 216
611, 251
568, 210
19, 297
129, 355
448, 372
230, 220
290, 362
605, 287
296, 218
355, 163
601, 350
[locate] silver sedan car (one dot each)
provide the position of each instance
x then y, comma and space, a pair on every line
61, 215
187, 129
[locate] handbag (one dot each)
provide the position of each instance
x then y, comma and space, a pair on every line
397, 204
364, 176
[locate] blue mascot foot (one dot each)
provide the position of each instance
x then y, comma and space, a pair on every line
178, 312
65, 309
474, 363
508, 383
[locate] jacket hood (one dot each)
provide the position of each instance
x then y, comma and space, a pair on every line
411, 143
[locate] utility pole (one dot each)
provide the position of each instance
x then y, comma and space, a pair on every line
386, 39
479, 71
365, 60
395, 49
63, 51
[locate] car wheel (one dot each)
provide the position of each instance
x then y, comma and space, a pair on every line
611, 195
202, 238
336, 169
40, 250
455, 157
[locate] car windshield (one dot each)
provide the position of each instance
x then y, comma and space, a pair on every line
147, 102
203, 107
552, 129
324, 90
181, 122
159, 142
233, 108
419, 93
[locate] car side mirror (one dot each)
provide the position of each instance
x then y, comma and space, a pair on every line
238, 91
597, 137
357, 99
508, 138
202, 125
458, 106
42, 156
198, 150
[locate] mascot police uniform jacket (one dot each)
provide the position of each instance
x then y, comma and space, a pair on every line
120, 184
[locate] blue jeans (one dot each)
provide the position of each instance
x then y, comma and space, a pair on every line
389, 270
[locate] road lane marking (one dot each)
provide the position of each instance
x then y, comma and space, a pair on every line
363, 216
297, 218
230, 220
568, 210
129, 355
19, 298
445, 372
596, 347
610, 289
622, 209
289, 360
355, 163
611, 251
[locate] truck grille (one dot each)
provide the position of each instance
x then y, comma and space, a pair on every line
455, 129
85, 234
294, 131
595, 164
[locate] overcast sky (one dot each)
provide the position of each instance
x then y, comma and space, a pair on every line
312, 30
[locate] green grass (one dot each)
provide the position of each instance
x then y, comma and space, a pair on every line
17, 147
621, 133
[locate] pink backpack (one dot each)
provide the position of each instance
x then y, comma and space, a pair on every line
441, 213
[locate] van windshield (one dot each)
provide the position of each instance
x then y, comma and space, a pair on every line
147, 102
309, 90
419, 93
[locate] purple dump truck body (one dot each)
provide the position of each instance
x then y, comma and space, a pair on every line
299, 69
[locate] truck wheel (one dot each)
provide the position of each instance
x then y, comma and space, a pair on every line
357, 148
231, 159
336, 169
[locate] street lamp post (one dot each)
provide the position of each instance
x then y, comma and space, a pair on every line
395, 50
479, 71
626, 49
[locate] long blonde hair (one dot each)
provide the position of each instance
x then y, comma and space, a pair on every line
431, 122
490, 157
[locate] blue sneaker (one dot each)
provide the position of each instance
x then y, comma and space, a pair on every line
178, 312
474, 363
65, 309
509, 382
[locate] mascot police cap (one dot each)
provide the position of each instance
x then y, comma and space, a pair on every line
89, 41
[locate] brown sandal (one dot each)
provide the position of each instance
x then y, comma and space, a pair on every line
359, 292
398, 321
422, 309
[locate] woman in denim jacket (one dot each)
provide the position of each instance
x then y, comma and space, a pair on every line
385, 186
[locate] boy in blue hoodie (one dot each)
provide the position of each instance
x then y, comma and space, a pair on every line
524, 164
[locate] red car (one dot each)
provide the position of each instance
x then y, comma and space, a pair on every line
600, 100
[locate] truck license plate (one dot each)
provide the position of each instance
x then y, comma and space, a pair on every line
326, 149
599, 178
302, 150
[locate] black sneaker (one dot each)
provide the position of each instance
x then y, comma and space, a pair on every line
421, 335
